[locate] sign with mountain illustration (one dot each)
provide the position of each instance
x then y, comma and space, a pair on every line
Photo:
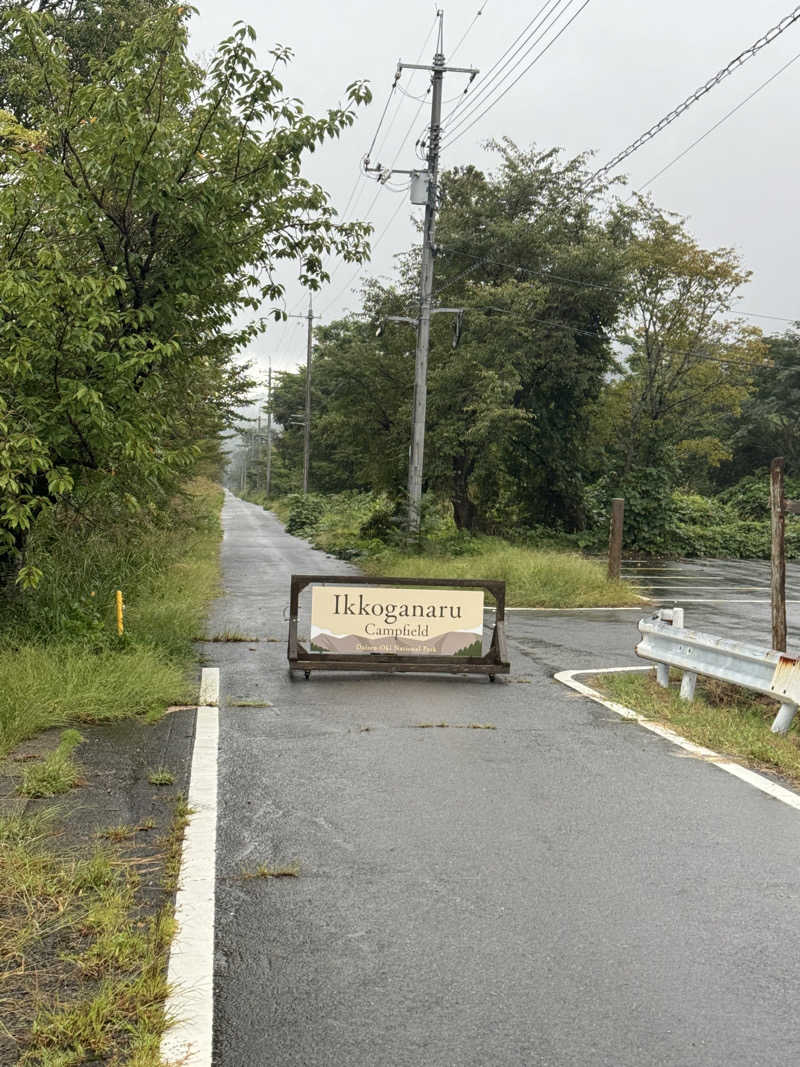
381, 619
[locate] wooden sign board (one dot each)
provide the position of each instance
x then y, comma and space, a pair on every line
398, 625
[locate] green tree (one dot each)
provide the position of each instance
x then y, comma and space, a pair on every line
689, 363
685, 372
131, 246
91, 31
527, 252
537, 271
768, 424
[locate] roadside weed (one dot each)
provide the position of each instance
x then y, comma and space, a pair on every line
264, 870
162, 776
57, 773
85, 976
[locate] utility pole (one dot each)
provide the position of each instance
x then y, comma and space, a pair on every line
307, 432
269, 428
257, 447
438, 70
778, 554
243, 471
307, 429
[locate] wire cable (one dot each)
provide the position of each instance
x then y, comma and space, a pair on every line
374, 245
717, 124
469, 28
383, 116
486, 79
521, 75
550, 275
619, 338
361, 185
698, 94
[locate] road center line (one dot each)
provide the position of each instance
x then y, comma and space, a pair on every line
191, 962
758, 781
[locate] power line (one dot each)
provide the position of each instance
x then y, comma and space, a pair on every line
360, 184
461, 114
468, 30
619, 338
487, 78
374, 245
383, 113
548, 274
671, 116
716, 125
522, 74
411, 78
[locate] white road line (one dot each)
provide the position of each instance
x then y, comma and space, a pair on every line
718, 600
678, 577
642, 607
190, 976
758, 781
704, 588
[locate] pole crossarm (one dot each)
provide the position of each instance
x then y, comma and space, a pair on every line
472, 71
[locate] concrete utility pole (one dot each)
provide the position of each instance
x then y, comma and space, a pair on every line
307, 430
438, 70
426, 292
778, 554
269, 428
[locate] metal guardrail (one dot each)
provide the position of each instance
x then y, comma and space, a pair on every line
668, 643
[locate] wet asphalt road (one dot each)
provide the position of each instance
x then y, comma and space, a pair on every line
565, 889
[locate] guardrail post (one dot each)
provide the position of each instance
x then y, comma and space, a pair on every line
615, 538
662, 675
783, 720
688, 682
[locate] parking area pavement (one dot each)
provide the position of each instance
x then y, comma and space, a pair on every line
727, 597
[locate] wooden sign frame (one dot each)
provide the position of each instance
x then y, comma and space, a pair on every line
494, 662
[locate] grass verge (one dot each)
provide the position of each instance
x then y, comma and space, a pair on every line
363, 527
540, 578
725, 718
60, 658
84, 954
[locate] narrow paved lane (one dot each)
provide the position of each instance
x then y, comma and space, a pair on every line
564, 889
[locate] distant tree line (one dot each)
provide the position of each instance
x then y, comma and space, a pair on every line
600, 355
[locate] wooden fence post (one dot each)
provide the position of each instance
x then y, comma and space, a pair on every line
777, 505
615, 538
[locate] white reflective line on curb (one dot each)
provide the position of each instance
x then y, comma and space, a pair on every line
191, 962
702, 588
677, 577
640, 609
758, 781
717, 600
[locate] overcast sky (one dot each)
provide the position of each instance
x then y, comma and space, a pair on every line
617, 69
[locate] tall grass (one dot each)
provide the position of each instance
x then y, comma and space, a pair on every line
60, 657
542, 578
365, 527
